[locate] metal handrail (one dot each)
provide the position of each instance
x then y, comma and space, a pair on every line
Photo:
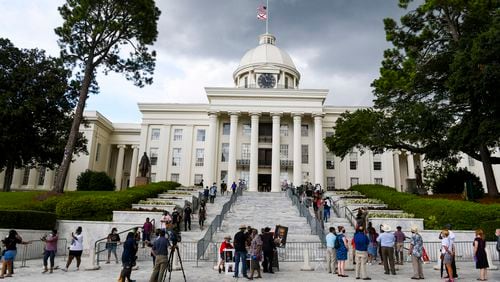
317, 227
98, 241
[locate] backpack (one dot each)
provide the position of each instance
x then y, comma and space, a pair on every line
336, 245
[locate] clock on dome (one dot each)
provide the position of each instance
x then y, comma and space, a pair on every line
266, 80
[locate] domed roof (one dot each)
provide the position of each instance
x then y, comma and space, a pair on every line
266, 54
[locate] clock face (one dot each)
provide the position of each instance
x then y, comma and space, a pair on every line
266, 80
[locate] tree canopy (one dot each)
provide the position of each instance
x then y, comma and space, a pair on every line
99, 33
438, 86
36, 103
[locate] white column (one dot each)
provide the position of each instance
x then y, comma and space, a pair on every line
275, 164
33, 179
318, 150
17, 176
133, 166
2, 178
211, 149
297, 149
233, 133
397, 172
254, 152
119, 166
163, 153
49, 179
411, 165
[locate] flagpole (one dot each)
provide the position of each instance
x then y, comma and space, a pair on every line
267, 18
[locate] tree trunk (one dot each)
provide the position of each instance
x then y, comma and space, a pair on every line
488, 171
9, 172
75, 128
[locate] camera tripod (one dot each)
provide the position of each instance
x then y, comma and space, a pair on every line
173, 250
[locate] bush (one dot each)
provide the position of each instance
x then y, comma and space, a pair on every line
453, 183
94, 181
26, 219
436, 212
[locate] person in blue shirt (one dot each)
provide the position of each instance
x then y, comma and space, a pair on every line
361, 242
331, 252
386, 241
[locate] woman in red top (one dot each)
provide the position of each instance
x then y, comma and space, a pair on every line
225, 245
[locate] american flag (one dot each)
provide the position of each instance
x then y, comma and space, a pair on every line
262, 13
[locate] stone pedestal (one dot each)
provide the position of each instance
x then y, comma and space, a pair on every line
140, 180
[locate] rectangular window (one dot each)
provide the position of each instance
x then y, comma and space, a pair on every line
377, 162
225, 152
284, 152
26, 176
245, 151
200, 135
330, 183
98, 152
198, 178
176, 156
174, 177
378, 181
305, 154
354, 181
155, 134
178, 134
41, 175
304, 130
284, 130
353, 161
471, 161
153, 156
329, 134
200, 157
330, 160
247, 129
284, 177
223, 175
226, 128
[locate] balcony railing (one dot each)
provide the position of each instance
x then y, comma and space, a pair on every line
264, 163
265, 139
242, 163
286, 163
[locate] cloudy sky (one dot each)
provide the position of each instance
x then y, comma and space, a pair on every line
335, 44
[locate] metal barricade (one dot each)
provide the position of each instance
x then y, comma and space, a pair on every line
35, 250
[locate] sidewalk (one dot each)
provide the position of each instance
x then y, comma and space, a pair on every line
288, 272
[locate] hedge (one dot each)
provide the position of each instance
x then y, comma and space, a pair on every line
462, 215
101, 206
27, 219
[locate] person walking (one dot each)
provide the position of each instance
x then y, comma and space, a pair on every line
160, 250
447, 253
480, 255
49, 250
147, 229
188, 214
223, 188
331, 252
128, 257
327, 205
386, 240
10, 243
206, 194
361, 243
399, 237
165, 220
233, 187
416, 251
202, 215
111, 244
268, 247
240, 239
255, 254
341, 244
75, 249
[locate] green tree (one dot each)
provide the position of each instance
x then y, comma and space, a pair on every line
437, 89
91, 36
36, 103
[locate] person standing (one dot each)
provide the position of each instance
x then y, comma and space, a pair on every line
128, 257
268, 248
361, 243
202, 215
206, 193
327, 205
399, 237
373, 246
480, 255
331, 252
213, 193
49, 250
10, 243
112, 242
147, 229
160, 250
386, 240
75, 249
497, 233
165, 220
255, 254
188, 213
416, 252
451, 237
233, 187
341, 244
223, 188
176, 218
447, 253
226, 244
240, 239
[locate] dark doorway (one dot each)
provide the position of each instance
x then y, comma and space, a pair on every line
265, 157
264, 183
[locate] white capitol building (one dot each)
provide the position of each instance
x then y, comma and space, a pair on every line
265, 130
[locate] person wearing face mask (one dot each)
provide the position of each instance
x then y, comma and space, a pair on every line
112, 242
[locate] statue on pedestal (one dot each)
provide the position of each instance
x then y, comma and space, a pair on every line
144, 165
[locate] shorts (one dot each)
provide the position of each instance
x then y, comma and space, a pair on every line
75, 253
10, 255
254, 264
447, 259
